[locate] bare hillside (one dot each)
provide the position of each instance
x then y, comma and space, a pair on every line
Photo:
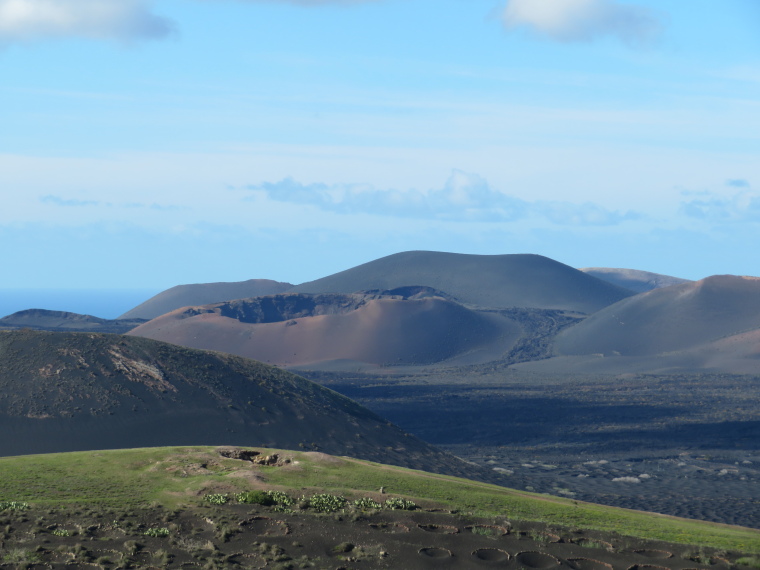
496, 281
374, 327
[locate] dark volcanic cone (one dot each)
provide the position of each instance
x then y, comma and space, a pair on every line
80, 391
498, 281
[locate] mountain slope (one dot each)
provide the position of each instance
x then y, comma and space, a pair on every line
633, 279
676, 318
203, 294
484, 280
43, 319
416, 327
79, 391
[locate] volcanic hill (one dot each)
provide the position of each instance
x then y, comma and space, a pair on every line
495, 281
410, 325
203, 294
714, 322
82, 391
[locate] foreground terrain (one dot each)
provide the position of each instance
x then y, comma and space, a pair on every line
257, 508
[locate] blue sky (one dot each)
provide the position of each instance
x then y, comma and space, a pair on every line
146, 144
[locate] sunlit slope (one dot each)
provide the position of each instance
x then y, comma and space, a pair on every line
78, 391
203, 294
298, 329
483, 280
677, 318
178, 477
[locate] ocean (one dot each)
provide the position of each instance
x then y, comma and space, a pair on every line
104, 303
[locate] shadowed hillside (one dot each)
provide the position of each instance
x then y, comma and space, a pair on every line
633, 279
203, 294
676, 318
497, 281
407, 326
79, 391
43, 319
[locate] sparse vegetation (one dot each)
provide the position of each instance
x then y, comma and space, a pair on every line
398, 503
326, 503
120, 485
217, 498
157, 532
366, 503
13, 506
255, 498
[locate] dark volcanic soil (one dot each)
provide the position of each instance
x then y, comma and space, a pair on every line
239, 536
685, 445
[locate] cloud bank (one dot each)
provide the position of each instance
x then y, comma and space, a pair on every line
25, 20
583, 20
742, 206
464, 197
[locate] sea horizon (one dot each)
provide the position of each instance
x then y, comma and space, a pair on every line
103, 303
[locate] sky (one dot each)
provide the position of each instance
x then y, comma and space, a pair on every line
145, 144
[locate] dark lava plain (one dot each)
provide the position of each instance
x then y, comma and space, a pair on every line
682, 444
246, 536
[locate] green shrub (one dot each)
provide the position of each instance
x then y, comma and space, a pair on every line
60, 532
281, 498
749, 561
13, 506
255, 498
217, 498
326, 503
366, 503
157, 532
400, 504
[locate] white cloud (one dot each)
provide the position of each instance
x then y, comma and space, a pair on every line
583, 20
22, 20
743, 206
464, 197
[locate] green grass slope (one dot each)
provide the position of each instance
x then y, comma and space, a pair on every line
180, 477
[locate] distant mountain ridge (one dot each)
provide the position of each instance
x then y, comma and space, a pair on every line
203, 294
42, 319
634, 279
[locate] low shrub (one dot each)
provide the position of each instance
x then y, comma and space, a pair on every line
366, 503
13, 506
217, 498
400, 504
157, 532
255, 498
326, 503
